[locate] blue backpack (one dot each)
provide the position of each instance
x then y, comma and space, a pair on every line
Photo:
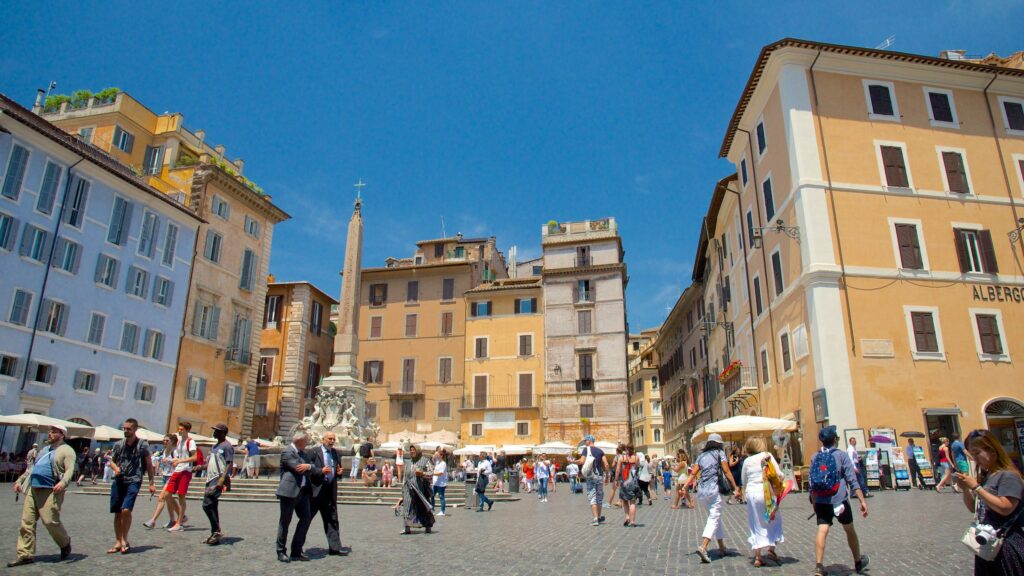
825, 475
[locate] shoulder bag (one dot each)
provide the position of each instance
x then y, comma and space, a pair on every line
588, 464
984, 540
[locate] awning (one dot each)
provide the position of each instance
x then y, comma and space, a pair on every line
742, 426
942, 411
41, 423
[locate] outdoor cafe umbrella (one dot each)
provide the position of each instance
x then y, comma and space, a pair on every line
605, 445
912, 434
879, 439
553, 448
474, 449
41, 423
430, 446
742, 426
388, 447
517, 449
104, 433
150, 436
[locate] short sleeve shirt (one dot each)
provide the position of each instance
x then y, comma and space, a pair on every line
710, 465
598, 455
442, 479
1010, 485
252, 449
222, 454
958, 450
131, 459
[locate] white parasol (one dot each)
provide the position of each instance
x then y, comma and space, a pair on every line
430, 446
104, 433
41, 423
474, 449
150, 436
743, 426
553, 448
517, 449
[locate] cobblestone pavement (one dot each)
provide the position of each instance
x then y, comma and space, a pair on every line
915, 533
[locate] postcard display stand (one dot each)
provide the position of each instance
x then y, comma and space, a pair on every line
900, 469
871, 467
925, 466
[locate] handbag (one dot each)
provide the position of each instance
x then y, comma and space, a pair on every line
588, 464
723, 483
990, 550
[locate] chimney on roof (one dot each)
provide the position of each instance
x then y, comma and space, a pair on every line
40, 95
240, 164
220, 149
201, 134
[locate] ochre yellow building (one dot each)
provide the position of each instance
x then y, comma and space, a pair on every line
504, 356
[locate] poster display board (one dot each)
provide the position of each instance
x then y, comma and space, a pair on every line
900, 469
925, 466
871, 467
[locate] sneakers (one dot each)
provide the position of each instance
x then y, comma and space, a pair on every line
168, 525
600, 519
176, 528
861, 564
149, 525
440, 514
490, 505
704, 558
596, 522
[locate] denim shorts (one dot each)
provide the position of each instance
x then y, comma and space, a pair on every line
122, 495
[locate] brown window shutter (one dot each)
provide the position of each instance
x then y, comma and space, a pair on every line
924, 332
533, 305
988, 333
956, 175
517, 306
961, 250
895, 167
910, 248
988, 253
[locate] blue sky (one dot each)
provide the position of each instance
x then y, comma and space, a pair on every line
495, 116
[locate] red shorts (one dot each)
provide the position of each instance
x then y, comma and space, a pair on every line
178, 483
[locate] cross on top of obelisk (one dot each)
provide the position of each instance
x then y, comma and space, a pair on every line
359, 192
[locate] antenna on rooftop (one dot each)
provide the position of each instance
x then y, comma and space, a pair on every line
443, 235
886, 43
51, 88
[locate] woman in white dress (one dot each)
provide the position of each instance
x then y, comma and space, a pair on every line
764, 535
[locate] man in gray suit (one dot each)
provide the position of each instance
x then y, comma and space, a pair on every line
298, 481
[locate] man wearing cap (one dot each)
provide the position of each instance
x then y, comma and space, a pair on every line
218, 471
594, 477
43, 485
837, 506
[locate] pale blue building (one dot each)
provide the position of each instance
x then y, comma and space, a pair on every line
94, 277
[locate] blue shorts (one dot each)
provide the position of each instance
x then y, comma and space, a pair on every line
122, 495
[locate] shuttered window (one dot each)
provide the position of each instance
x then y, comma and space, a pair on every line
412, 291
20, 307
48, 189
444, 370
526, 345
106, 271
376, 326
120, 222
1014, 115
787, 358
8, 231
956, 172
410, 325
974, 251
480, 348
988, 333
378, 294
248, 271
148, 235
777, 273
925, 338
122, 140
762, 139
525, 305
525, 390
758, 304
15, 174
97, 323
78, 196
750, 228
769, 199
583, 322
942, 107
170, 244
895, 167
448, 289
881, 100
447, 323
480, 391
909, 247
373, 371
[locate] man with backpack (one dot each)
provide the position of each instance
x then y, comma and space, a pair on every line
832, 478
593, 463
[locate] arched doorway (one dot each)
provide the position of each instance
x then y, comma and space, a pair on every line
79, 444
1005, 418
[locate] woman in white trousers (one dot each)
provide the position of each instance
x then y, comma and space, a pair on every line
710, 465
764, 534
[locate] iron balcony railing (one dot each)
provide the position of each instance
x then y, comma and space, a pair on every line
582, 295
500, 401
405, 388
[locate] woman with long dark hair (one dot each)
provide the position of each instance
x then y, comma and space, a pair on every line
629, 486
711, 464
995, 496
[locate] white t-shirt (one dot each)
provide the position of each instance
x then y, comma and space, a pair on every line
186, 448
753, 473
572, 470
852, 453
484, 467
442, 479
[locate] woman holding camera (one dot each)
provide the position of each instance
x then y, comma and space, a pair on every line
996, 494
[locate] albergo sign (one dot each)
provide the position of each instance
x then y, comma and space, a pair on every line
998, 294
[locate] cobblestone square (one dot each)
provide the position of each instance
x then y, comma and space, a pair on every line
915, 533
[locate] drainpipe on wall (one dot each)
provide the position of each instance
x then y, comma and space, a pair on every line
750, 302
46, 272
1002, 160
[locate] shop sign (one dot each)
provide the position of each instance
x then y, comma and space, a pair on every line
998, 294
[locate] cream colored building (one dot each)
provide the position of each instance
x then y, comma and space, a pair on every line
646, 417
682, 369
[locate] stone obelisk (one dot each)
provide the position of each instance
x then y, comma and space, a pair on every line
344, 377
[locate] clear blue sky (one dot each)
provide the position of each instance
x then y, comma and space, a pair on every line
496, 116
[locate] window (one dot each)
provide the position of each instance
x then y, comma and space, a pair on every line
129, 338
583, 322
106, 271
8, 365
261, 409
657, 434
34, 243
1013, 111
266, 371
8, 231
85, 134
120, 221
373, 371
787, 359
213, 246
448, 289
137, 281
406, 412
147, 237
758, 304
145, 392
586, 372
526, 305
955, 171
220, 207
43, 372
196, 389
480, 348
408, 374
118, 387
123, 141
15, 175
444, 410
908, 246
941, 111
312, 378
151, 160
925, 337
974, 251
66, 256
765, 372
750, 228
378, 294
894, 167
271, 311
583, 256
447, 323
85, 381
376, 326
48, 189
769, 199
316, 318
412, 291
537, 270
232, 395
97, 324
586, 410
583, 292
20, 306
241, 337
170, 244
55, 317
410, 325
777, 272
988, 331
475, 429
438, 250
526, 390
444, 370
743, 171
762, 139
252, 226
205, 320
526, 344
479, 309
163, 290
78, 194
154, 345
881, 100
522, 428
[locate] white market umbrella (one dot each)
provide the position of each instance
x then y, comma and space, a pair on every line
741, 426
148, 435
517, 449
553, 448
104, 433
474, 449
605, 445
201, 440
388, 447
443, 437
430, 446
41, 423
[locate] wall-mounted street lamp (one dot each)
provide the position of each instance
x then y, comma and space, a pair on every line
780, 226
707, 326
1016, 234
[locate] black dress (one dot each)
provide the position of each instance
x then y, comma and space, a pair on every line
1010, 561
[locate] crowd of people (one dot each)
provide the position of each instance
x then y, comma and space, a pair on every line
748, 474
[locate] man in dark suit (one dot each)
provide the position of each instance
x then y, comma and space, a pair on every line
295, 491
325, 500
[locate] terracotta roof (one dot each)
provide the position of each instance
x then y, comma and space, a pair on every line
456, 239
767, 51
301, 283
19, 113
507, 284
415, 267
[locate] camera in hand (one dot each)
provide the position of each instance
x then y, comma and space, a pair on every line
985, 534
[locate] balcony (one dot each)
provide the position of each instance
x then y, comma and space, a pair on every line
582, 261
583, 296
585, 385
555, 232
739, 389
500, 402
405, 389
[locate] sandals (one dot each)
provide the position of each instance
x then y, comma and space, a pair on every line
126, 549
774, 557
758, 563
114, 550
819, 570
